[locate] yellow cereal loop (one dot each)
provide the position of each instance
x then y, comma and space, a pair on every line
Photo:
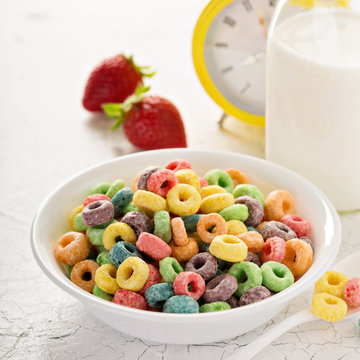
76, 210
211, 190
149, 202
217, 202
183, 200
228, 248
105, 278
328, 307
236, 227
332, 282
116, 232
132, 274
188, 176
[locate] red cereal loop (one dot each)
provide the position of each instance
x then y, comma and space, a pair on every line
153, 246
130, 299
301, 226
186, 278
177, 165
95, 197
274, 249
352, 292
154, 278
161, 181
203, 182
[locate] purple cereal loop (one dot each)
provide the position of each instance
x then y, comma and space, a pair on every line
276, 228
138, 221
256, 210
307, 240
233, 301
144, 177
220, 288
254, 258
255, 294
203, 264
97, 213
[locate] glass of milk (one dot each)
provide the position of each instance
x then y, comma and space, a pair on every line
313, 95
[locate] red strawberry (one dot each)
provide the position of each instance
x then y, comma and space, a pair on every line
150, 122
113, 80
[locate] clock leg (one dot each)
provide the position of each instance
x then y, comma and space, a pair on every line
221, 120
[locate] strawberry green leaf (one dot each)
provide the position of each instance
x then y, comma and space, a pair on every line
144, 71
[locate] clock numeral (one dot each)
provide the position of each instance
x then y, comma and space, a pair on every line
272, 3
248, 6
245, 88
221, 44
229, 21
228, 68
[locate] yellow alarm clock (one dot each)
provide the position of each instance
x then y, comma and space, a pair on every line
228, 51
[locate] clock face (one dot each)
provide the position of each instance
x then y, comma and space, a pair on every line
234, 52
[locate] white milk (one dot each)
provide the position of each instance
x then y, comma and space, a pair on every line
313, 101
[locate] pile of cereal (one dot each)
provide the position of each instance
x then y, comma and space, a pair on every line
180, 243
334, 293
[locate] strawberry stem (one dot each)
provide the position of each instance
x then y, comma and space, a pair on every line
144, 71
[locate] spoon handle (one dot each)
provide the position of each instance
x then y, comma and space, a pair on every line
248, 351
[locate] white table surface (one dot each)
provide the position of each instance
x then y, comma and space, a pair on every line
47, 49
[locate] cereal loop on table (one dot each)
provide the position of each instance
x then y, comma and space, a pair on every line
83, 274
215, 203
161, 181
228, 248
188, 176
279, 203
238, 177
220, 178
211, 190
351, 293
130, 299
186, 252
153, 246
154, 278
186, 279
105, 278
208, 221
75, 211
181, 304
178, 164
276, 276
132, 274
247, 274
274, 249
332, 282
298, 256
253, 240
236, 227
179, 234
116, 232
328, 307
183, 200
162, 225
169, 269
71, 248
299, 225
149, 202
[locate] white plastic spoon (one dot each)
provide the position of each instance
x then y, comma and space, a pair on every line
349, 266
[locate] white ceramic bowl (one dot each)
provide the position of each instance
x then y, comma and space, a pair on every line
51, 222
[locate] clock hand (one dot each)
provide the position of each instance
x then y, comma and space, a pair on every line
252, 59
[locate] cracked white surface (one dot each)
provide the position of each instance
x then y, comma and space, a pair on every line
47, 50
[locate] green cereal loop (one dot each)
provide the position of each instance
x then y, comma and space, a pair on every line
103, 258
115, 187
78, 223
162, 227
67, 269
95, 233
248, 271
169, 269
101, 294
131, 207
221, 178
276, 276
235, 212
215, 306
100, 188
100, 248
191, 221
181, 304
251, 190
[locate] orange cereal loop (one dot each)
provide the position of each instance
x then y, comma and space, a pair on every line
261, 225
298, 257
76, 210
186, 252
179, 232
134, 187
237, 177
83, 274
253, 240
71, 248
207, 221
279, 203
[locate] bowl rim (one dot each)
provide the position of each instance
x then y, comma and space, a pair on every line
281, 297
